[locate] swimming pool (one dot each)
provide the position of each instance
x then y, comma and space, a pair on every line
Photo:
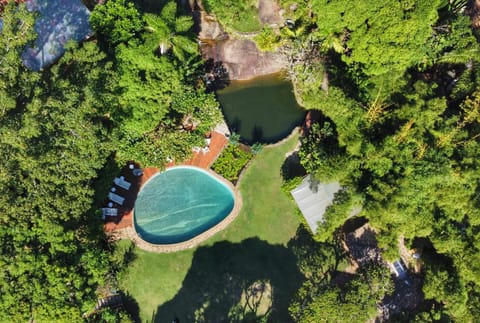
180, 203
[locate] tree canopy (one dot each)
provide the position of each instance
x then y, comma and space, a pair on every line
53, 143
400, 131
116, 96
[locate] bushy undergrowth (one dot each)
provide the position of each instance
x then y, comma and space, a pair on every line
267, 39
241, 15
231, 162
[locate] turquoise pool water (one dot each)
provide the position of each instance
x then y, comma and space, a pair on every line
179, 204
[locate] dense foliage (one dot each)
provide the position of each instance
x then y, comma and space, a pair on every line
396, 84
113, 99
398, 87
355, 301
53, 141
231, 162
117, 21
240, 16
164, 111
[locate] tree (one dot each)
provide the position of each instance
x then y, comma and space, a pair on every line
161, 120
17, 83
355, 301
116, 21
381, 40
168, 32
54, 141
405, 150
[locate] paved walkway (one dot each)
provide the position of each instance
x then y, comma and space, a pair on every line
206, 159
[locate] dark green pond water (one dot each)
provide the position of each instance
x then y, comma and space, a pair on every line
261, 110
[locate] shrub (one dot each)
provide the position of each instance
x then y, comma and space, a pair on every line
240, 15
256, 148
267, 39
231, 162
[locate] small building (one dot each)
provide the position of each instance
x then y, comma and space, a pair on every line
313, 198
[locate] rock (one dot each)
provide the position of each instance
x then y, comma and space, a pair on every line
240, 57
243, 60
210, 29
269, 12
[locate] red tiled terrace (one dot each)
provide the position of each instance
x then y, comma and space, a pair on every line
125, 214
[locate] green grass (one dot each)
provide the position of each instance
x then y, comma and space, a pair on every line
239, 15
267, 213
207, 283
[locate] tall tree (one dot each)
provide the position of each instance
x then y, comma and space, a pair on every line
404, 149
116, 21
53, 142
169, 32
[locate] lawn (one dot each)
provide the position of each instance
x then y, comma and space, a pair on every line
241, 16
245, 268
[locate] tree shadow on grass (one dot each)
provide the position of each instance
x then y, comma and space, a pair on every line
235, 282
292, 167
131, 306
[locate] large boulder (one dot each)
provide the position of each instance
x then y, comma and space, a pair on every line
243, 60
240, 57
269, 13
210, 29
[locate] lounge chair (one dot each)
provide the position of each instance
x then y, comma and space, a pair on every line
116, 198
121, 182
109, 211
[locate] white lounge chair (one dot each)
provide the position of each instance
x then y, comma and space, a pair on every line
121, 182
116, 198
109, 211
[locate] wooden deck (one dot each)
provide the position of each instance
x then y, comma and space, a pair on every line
125, 214
205, 160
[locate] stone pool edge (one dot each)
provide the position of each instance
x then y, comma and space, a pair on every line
130, 232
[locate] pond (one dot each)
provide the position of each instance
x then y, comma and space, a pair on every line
262, 110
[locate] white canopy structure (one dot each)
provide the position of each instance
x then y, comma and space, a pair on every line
313, 198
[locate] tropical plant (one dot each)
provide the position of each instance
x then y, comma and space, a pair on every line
231, 162
256, 148
234, 139
267, 39
117, 21
168, 32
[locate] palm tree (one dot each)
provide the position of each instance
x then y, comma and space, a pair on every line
168, 32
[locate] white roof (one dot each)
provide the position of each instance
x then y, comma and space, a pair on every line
313, 198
